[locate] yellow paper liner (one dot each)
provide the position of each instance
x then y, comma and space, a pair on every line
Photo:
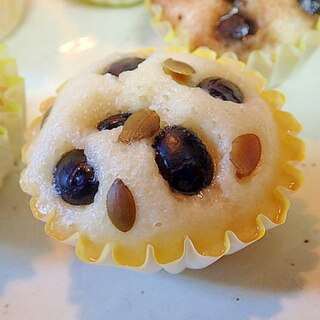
6, 157
275, 67
292, 149
11, 112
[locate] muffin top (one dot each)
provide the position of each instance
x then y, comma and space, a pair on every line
146, 149
240, 26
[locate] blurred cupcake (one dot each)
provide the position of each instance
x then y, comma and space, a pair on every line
272, 37
117, 3
165, 159
11, 12
11, 112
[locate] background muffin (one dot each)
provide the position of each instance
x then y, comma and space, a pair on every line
116, 2
11, 12
11, 112
271, 36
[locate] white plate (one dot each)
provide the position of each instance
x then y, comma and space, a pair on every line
40, 279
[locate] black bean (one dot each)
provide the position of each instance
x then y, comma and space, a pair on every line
222, 89
122, 65
183, 160
74, 180
113, 121
236, 27
310, 6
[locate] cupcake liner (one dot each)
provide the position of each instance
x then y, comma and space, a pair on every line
190, 258
292, 149
275, 68
6, 158
11, 111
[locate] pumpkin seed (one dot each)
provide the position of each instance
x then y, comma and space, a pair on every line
47, 104
245, 154
142, 124
179, 71
121, 206
45, 108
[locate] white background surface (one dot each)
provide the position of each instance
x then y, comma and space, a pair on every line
40, 279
